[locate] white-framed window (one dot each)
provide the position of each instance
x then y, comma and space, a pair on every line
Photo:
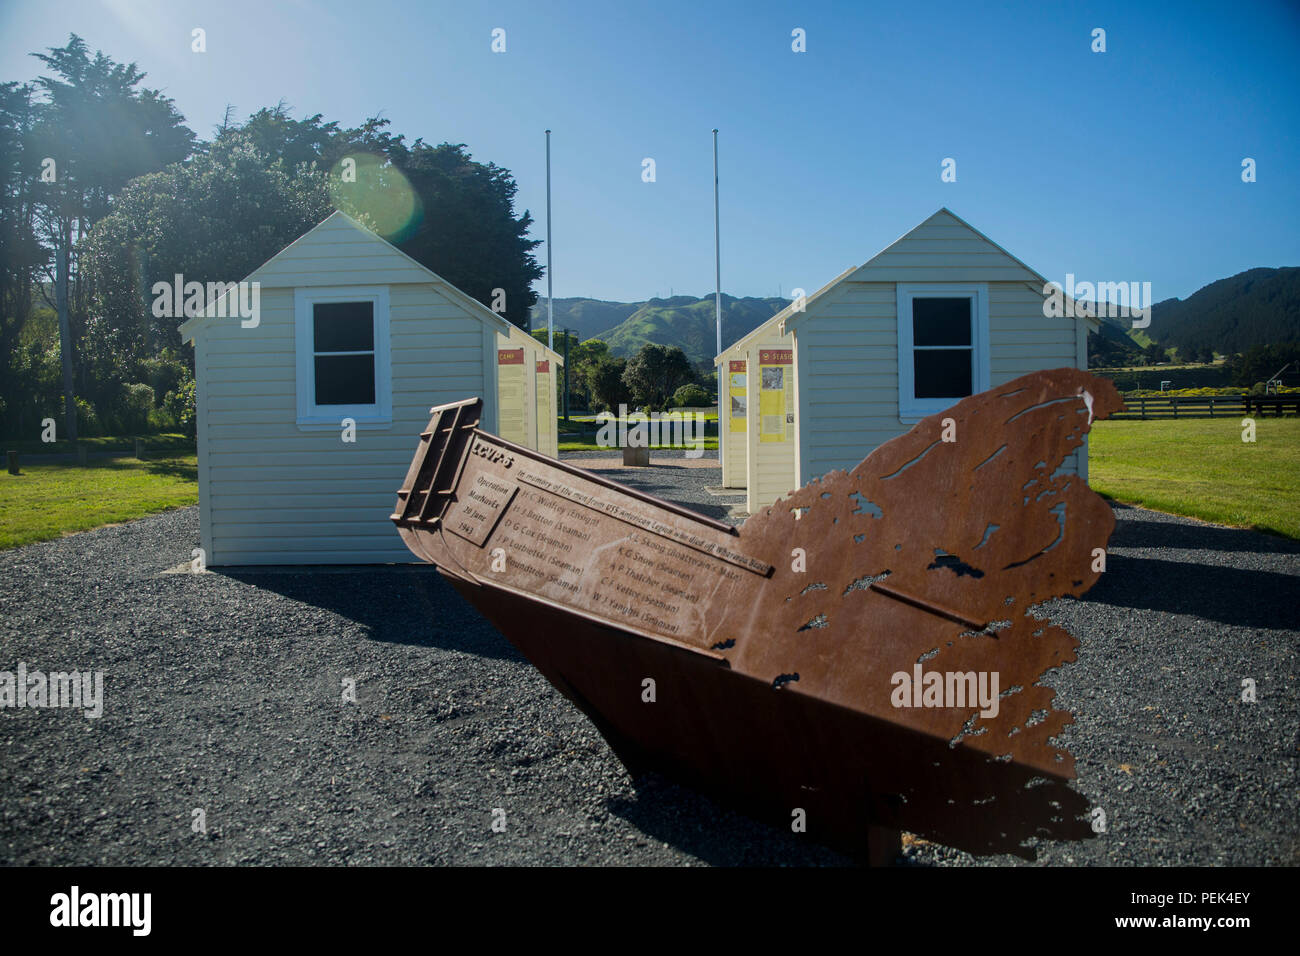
943, 346
343, 359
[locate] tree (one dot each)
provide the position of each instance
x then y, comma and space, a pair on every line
1154, 354
655, 373
435, 203
213, 219
22, 257
584, 359
607, 386
468, 232
692, 396
1260, 362
275, 134
99, 131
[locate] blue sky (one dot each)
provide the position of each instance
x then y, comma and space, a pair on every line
1115, 166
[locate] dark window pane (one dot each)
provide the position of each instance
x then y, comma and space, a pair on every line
942, 373
345, 380
941, 321
344, 326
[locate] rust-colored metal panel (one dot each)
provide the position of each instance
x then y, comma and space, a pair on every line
863, 650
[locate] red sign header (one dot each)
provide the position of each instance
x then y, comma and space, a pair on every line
544, 365
736, 366
775, 356
510, 356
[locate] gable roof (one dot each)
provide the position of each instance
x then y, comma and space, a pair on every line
778, 319
300, 251
981, 259
947, 225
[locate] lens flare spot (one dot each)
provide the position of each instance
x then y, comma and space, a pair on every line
373, 191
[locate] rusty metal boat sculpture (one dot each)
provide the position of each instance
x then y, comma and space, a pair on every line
862, 657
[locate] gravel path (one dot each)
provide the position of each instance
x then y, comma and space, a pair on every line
223, 692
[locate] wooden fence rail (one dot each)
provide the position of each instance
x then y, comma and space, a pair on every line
1208, 406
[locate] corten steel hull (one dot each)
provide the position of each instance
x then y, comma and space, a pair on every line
776, 650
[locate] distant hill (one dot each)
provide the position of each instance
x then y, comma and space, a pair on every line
1114, 345
1255, 307
587, 317
683, 320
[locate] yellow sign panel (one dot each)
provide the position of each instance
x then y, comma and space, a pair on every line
511, 386
775, 395
739, 399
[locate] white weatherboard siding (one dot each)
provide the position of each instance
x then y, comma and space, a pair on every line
848, 366
280, 495
527, 396
547, 429
339, 252
1024, 340
771, 465
201, 403
733, 442
847, 340
274, 491
847, 356
944, 249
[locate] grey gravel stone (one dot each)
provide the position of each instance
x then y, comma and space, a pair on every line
223, 692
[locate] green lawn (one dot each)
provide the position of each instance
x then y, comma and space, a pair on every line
581, 432
48, 501
590, 418
1196, 467
1200, 467
710, 444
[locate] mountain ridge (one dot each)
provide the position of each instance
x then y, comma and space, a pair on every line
685, 321
1259, 306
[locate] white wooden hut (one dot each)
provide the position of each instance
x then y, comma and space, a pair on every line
972, 317
765, 450
527, 372
350, 331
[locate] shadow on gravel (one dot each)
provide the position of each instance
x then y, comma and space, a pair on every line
695, 824
1246, 598
1137, 533
396, 605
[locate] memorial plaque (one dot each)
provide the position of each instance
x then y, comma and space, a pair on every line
474, 515
867, 649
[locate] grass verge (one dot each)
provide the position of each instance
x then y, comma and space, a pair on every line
49, 501
1201, 468
710, 444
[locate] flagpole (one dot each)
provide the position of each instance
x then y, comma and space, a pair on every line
550, 301
717, 294
717, 254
